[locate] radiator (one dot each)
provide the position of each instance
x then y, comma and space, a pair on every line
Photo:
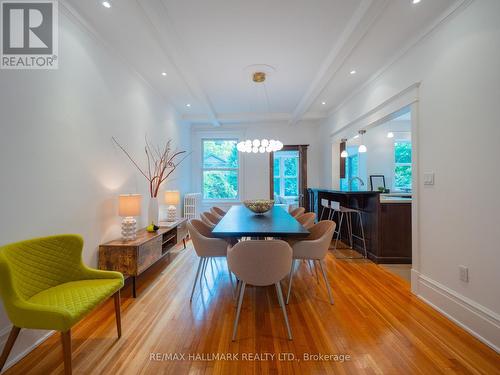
192, 204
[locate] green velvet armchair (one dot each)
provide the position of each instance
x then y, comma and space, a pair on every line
45, 285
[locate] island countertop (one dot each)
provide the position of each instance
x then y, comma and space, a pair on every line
346, 192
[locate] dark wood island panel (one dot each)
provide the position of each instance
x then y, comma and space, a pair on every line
387, 225
395, 232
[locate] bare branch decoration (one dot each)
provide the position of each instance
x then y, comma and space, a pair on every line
161, 163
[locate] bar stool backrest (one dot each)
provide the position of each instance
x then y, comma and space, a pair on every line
334, 205
325, 203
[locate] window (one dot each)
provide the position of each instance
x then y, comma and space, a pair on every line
351, 170
220, 169
402, 165
286, 173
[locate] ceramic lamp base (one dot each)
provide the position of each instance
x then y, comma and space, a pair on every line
129, 228
171, 213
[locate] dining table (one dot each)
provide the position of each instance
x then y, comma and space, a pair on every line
240, 221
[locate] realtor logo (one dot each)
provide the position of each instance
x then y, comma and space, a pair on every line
29, 37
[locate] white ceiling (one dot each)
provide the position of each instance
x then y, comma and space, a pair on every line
205, 48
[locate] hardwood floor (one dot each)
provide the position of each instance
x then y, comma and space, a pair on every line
375, 320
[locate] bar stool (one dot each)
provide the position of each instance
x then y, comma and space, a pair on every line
341, 211
325, 204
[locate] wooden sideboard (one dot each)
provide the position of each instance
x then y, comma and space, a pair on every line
134, 257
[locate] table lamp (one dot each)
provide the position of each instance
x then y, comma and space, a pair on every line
129, 205
172, 198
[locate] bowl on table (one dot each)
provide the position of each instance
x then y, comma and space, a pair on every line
259, 206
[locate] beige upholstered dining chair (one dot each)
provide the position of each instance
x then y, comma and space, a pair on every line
298, 211
260, 263
314, 247
210, 219
307, 219
217, 211
206, 247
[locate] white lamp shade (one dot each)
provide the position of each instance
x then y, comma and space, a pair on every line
172, 197
129, 205
362, 148
344, 154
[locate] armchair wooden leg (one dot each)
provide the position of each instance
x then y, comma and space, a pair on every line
14, 332
66, 343
118, 313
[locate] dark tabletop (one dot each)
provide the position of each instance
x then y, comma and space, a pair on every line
241, 222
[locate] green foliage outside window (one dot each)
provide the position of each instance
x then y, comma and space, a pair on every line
291, 165
220, 184
220, 169
291, 187
402, 172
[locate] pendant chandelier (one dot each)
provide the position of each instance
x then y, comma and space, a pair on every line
261, 146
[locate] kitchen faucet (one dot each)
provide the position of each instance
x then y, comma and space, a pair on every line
355, 178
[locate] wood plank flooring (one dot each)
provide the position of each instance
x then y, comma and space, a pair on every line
375, 320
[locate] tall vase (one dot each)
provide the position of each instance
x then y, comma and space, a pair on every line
153, 211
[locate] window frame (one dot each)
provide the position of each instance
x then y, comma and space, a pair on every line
203, 169
396, 164
282, 175
344, 182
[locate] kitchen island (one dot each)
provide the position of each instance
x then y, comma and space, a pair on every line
386, 221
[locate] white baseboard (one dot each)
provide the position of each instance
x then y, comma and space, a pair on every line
476, 319
27, 344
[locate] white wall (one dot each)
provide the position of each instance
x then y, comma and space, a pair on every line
60, 172
458, 137
254, 178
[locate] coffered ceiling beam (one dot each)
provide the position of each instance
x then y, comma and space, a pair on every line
362, 20
162, 30
241, 118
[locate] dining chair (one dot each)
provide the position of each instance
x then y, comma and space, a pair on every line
44, 284
217, 211
307, 219
298, 211
260, 263
207, 247
210, 219
314, 247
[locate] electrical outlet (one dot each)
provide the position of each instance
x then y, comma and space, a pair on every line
464, 273
428, 178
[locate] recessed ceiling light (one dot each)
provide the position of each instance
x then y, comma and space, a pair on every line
106, 4
415, 1
163, 74
352, 72
188, 105
323, 103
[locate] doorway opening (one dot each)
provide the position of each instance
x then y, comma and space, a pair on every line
380, 159
288, 176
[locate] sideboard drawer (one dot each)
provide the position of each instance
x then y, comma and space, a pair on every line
121, 259
148, 253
